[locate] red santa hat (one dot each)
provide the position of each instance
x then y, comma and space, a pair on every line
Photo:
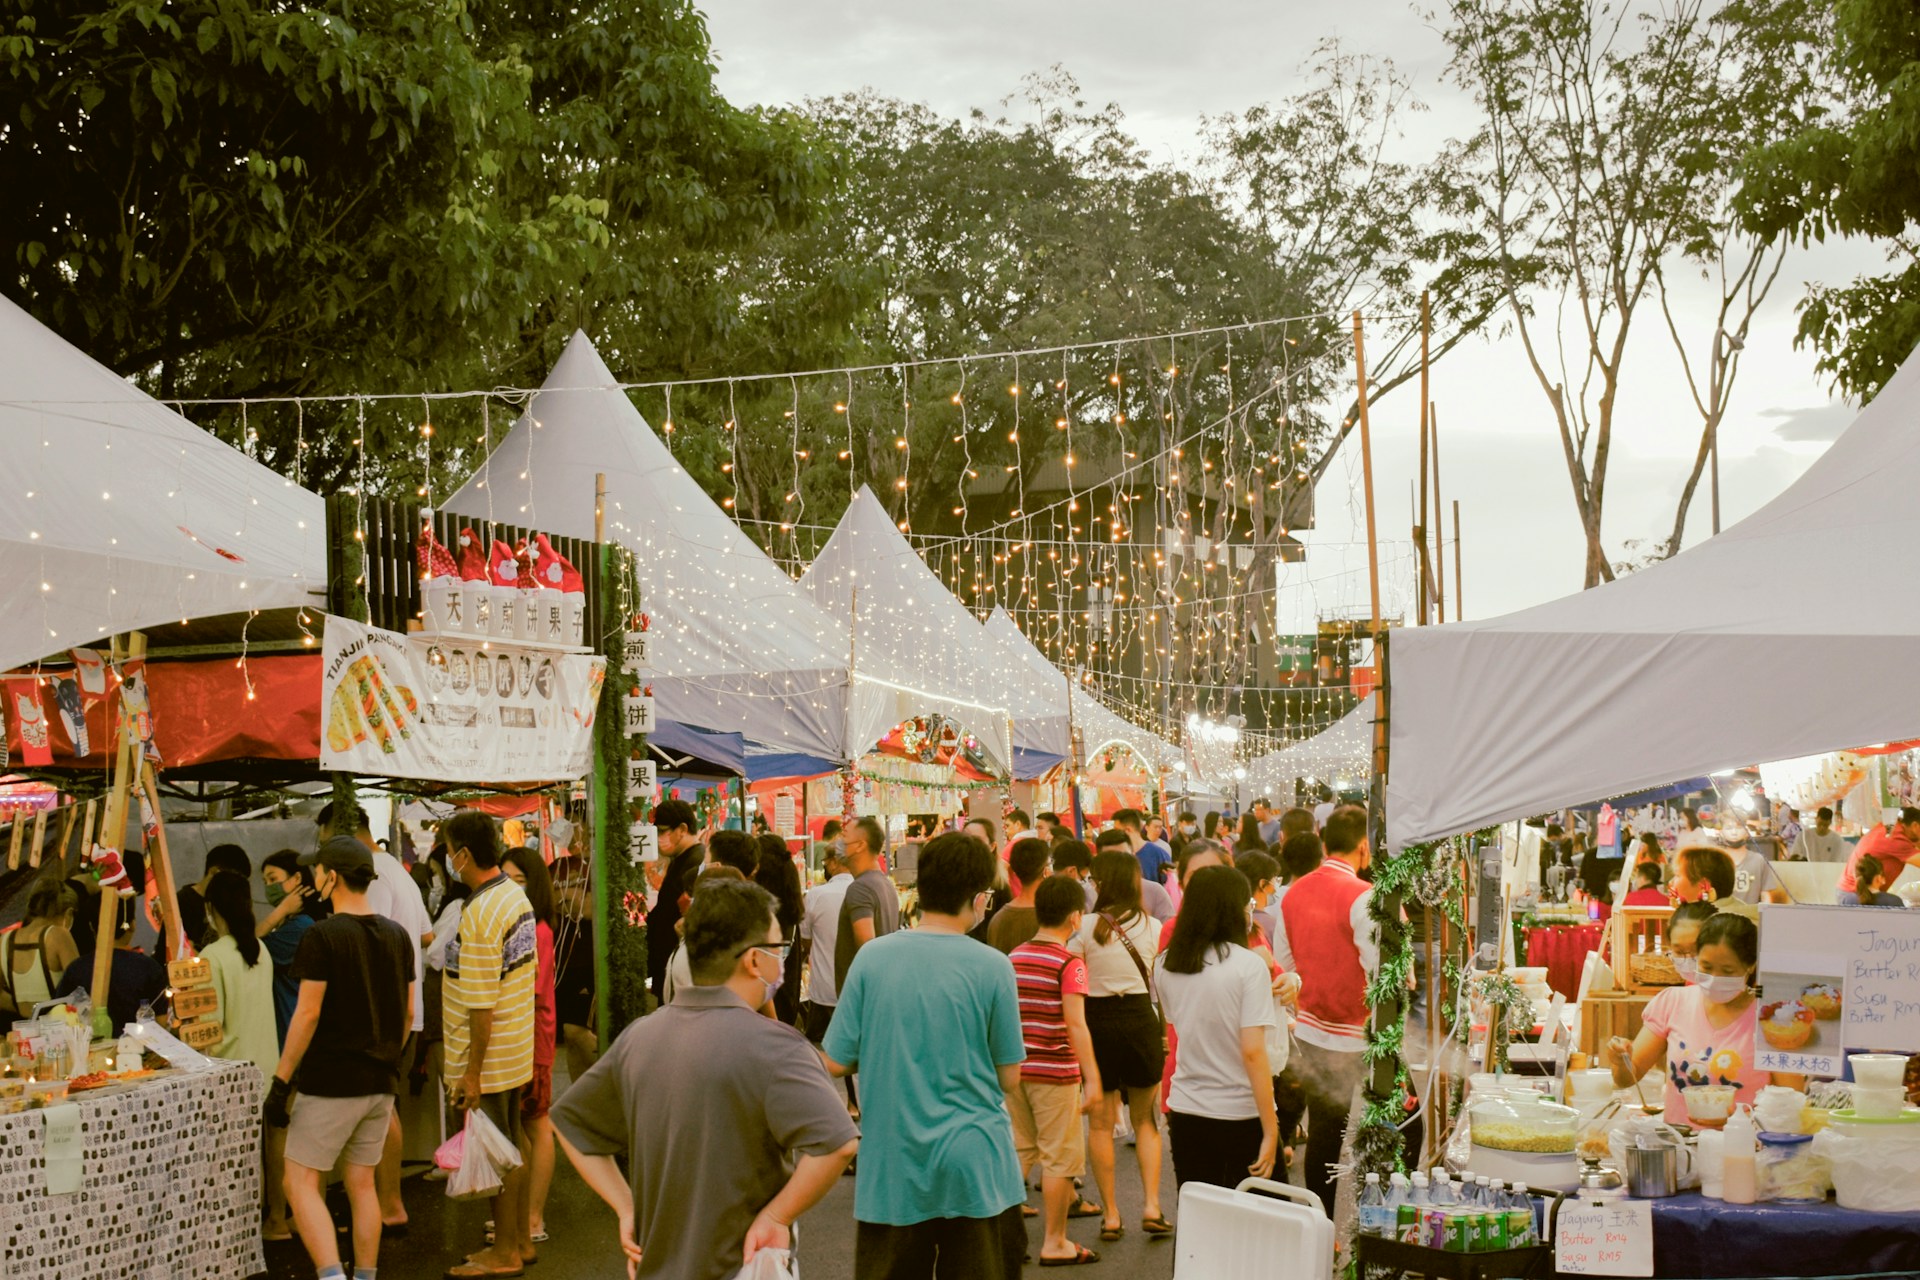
435, 560
473, 561
547, 564
525, 579
503, 567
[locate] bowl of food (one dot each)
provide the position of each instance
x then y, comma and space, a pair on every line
1522, 1121
1823, 998
1709, 1105
1786, 1024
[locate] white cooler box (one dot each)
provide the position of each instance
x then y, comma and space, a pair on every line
1247, 1234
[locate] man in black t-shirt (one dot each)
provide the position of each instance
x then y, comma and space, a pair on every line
675, 822
355, 971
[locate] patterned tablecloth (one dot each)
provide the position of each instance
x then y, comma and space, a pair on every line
170, 1188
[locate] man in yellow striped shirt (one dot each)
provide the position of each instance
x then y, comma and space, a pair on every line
487, 997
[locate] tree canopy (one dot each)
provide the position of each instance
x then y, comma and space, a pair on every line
1852, 168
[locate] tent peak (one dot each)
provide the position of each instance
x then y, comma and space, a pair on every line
579, 366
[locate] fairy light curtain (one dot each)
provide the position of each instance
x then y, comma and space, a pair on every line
125, 515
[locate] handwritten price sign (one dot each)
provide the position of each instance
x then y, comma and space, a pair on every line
1612, 1239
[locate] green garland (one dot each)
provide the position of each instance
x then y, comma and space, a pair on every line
1422, 875
622, 914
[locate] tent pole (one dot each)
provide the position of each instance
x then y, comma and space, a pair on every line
853, 756
599, 506
1366, 469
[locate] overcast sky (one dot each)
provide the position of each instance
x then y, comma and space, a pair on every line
1168, 65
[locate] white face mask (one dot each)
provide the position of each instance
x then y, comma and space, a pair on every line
1721, 988
1688, 967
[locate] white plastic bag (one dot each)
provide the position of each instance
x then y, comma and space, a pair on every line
770, 1264
484, 1156
1279, 1038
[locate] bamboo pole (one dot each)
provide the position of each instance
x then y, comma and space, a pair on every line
160, 863
1459, 607
1426, 326
113, 834
1439, 517
1366, 469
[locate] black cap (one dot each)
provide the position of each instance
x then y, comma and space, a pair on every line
339, 853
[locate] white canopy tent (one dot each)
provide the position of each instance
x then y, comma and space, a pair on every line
1041, 737
1341, 752
1098, 726
916, 650
126, 515
1793, 632
738, 647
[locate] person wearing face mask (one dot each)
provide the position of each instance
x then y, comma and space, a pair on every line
1683, 936
931, 1020
355, 971
729, 1127
1705, 1032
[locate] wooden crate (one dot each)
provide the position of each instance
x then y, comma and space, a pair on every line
1603, 1017
1637, 931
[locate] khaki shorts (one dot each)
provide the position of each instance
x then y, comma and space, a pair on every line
323, 1128
1046, 1128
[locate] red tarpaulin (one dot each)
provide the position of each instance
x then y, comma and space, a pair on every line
202, 713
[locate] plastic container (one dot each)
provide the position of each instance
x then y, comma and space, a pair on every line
1789, 1171
1875, 1164
1709, 1105
1878, 1070
1523, 1121
1710, 1159
1876, 1103
1739, 1178
1779, 1109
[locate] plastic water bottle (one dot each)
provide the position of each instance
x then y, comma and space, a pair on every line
1375, 1218
1422, 1194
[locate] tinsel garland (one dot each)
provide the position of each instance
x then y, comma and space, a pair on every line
1422, 875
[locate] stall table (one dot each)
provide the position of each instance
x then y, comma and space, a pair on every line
170, 1184
1697, 1237
1563, 949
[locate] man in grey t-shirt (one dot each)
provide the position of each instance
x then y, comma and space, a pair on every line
871, 908
715, 1107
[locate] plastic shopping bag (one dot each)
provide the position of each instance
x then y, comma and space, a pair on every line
485, 1154
447, 1154
770, 1264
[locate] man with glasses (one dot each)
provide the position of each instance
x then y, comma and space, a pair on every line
931, 1020
714, 1107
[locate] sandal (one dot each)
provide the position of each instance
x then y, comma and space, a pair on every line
1028, 1211
1156, 1228
474, 1271
1110, 1234
1085, 1208
1082, 1256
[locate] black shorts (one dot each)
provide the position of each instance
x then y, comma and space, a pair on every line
817, 1017
1128, 1045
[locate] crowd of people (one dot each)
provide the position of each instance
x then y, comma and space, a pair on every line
1001, 1005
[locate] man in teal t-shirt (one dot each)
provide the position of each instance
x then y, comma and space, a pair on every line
931, 1020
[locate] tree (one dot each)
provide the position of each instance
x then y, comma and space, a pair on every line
1599, 165
1851, 167
228, 198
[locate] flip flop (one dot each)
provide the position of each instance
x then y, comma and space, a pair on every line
1085, 1208
474, 1271
1156, 1228
1082, 1257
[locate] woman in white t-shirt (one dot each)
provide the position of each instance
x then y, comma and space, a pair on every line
1118, 939
1219, 997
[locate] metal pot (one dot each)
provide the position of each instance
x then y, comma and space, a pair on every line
1653, 1171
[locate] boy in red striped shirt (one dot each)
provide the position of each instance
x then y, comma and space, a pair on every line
1047, 1107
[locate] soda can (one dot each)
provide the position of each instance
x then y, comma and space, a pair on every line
1519, 1228
1496, 1237
1407, 1225
1435, 1235
1457, 1226
1478, 1233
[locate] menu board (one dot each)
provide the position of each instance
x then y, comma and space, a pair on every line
1835, 981
1604, 1239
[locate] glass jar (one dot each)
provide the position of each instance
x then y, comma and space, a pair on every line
1521, 1120
1787, 1171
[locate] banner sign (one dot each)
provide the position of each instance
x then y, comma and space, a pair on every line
1835, 981
642, 780
406, 707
